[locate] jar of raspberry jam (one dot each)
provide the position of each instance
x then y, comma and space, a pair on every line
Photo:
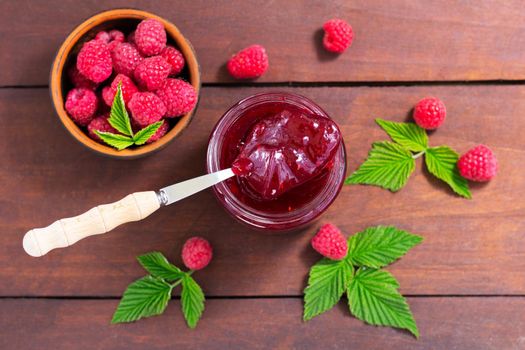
310, 197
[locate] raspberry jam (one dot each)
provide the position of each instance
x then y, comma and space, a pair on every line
289, 157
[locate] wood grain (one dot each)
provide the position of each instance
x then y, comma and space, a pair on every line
444, 323
394, 40
470, 246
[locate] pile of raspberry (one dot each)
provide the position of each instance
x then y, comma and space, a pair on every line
149, 73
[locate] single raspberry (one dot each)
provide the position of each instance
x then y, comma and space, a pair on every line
338, 35
125, 57
160, 132
101, 124
146, 108
81, 105
178, 96
478, 164
150, 37
330, 242
175, 58
116, 35
152, 72
430, 113
248, 63
196, 253
128, 89
103, 36
94, 61
78, 80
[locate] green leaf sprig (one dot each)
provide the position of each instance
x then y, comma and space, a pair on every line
149, 295
119, 119
390, 164
372, 293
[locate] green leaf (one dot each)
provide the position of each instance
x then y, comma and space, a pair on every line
144, 134
373, 298
118, 117
326, 284
157, 265
192, 300
379, 246
388, 165
145, 297
408, 135
115, 140
441, 162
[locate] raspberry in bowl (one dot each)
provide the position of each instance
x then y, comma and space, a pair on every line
289, 158
147, 56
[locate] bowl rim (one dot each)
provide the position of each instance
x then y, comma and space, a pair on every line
57, 72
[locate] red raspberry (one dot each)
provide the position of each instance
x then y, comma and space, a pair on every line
101, 124
125, 57
338, 35
150, 37
152, 72
81, 105
196, 253
103, 36
146, 108
127, 86
131, 38
78, 80
249, 63
160, 132
478, 164
178, 96
175, 58
330, 242
94, 61
430, 113
116, 35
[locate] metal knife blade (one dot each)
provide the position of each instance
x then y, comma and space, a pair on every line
178, 191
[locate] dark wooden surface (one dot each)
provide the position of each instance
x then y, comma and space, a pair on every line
466, 281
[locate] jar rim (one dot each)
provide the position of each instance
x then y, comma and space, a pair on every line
252, 216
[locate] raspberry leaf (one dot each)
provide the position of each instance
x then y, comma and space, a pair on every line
157, 265
145, 297
373, 298
379, 246
388, 165
192, 300
115, 140
118, 117
408, 135
326, 284
144, 134
441, 162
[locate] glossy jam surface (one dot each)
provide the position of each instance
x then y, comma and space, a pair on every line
285, 150
285, 153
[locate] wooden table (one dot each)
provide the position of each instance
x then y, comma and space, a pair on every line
465, 283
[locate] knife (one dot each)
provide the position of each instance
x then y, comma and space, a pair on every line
104, 218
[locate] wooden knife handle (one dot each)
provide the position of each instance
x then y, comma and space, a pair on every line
100, 219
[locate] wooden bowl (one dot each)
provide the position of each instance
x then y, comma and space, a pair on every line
125, 20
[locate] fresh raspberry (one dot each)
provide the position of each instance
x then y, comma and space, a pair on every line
196, 253
127, 86
81, 105
125, 57
94, 61
430, 113
146, 108
116, 35
152, 72
160, 132
175, 58
478, 164
103, 36
178, 96
150, 37
101, 124
338, 35
78, 80
330, 242
248, 63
